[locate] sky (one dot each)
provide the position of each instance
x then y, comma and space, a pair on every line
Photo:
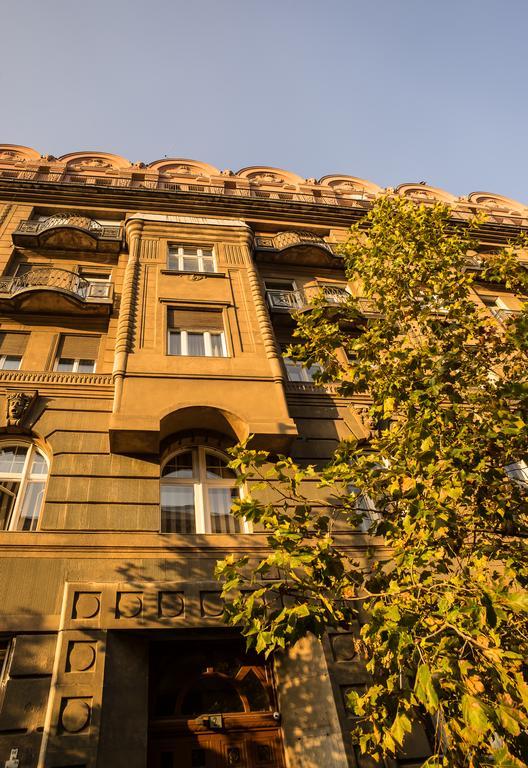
392, 91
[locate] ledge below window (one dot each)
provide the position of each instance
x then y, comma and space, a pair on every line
181, 272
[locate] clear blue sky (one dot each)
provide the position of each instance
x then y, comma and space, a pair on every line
389, 90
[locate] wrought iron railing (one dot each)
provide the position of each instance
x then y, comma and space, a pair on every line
92, 226
59, 279
292, 300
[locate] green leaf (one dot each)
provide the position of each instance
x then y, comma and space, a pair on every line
424, 689
474, 714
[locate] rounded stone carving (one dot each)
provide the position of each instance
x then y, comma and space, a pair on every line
82, 657
211, 604
87, 605
129, 605
171, 604
344, 647
75, 715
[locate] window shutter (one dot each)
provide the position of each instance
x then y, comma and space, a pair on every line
196, 319
13, 343
79, 347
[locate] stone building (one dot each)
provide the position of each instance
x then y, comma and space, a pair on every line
144, 310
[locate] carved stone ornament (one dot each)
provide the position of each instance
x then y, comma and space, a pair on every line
92, 162
8, 154
366, 420
18, 405
267, 178
227, 172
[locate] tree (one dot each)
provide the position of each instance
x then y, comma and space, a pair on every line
443, 602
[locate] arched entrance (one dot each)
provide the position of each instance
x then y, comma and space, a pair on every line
212, 705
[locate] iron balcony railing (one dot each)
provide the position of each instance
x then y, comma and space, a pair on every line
333, 294
56, 221
59, 279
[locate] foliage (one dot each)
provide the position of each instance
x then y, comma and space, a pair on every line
439, 582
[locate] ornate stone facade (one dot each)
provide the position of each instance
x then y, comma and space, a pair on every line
95, 584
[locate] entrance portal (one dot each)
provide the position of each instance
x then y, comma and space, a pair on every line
211, 706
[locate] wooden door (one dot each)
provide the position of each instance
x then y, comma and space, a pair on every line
211, 706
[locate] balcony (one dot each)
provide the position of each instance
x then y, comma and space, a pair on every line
68, 232
292, 301
55, 291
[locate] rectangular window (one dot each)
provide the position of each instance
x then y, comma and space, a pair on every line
186, 258
283, 294
99, 285
12, 348
196, 333
296, 371
77, 354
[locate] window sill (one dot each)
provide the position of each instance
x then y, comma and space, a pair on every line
191, 274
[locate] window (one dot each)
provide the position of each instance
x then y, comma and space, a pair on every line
23, 474
185, 258
366, 507
12, 348
297, 371
77, 354
196, 333
518, 473
99, 285
197, 489
283, 294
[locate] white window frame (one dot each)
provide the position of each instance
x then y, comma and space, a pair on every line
518, 473
3, 359
201, 484
24, 477
176, 251
76, 361
207, 342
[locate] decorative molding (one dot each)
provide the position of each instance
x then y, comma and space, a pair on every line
54, 377
18, 406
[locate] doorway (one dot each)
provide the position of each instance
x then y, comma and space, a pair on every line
211, 705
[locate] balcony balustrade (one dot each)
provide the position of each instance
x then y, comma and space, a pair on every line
68, 231
48, 289
294, 300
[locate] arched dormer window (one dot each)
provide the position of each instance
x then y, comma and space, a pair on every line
23, 475
197, 489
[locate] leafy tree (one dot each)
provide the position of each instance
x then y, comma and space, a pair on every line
442, 594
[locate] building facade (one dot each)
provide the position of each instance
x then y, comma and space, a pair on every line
144, 312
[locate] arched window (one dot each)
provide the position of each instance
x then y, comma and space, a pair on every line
23, 475
197, 489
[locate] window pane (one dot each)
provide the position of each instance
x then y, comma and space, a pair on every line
177, 509
28, 518
12, 459
190, 264
65, 364
8, 493
86, 366
294, 371
11, 362
39, 466
208, 265
217, 348
216, 467
180, 465
173, 262
174, 343
195, 344
222, 521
